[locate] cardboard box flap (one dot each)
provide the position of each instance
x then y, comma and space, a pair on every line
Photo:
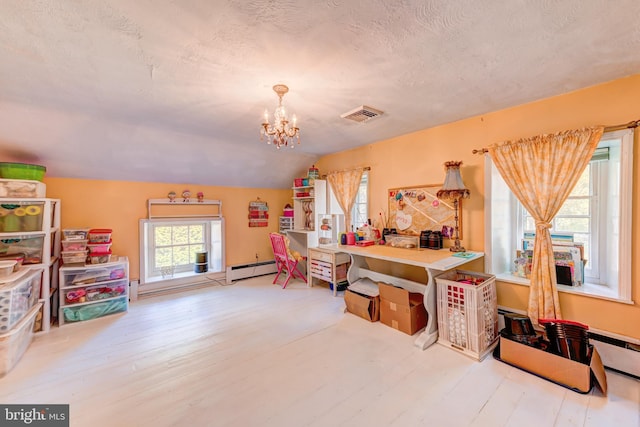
598, 371
566, 372
399, 296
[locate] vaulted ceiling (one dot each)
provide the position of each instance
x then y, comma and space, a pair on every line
175, 90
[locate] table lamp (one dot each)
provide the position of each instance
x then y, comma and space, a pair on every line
454, 189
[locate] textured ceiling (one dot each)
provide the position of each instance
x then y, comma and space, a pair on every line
174, 90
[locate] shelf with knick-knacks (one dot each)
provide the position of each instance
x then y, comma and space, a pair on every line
307, 202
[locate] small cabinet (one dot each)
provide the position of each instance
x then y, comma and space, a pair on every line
93, 291
328, 265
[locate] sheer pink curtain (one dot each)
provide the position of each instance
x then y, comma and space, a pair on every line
345, 185
541, 172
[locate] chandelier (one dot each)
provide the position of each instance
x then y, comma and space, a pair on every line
280, 133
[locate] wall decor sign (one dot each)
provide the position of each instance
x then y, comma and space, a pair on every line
415, 209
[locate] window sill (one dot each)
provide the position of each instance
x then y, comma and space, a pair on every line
587, 290
188, 278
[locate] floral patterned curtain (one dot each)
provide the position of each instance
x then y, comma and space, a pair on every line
541, 171
345, 186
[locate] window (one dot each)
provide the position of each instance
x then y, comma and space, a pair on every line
597, 214
169, 247
360, 211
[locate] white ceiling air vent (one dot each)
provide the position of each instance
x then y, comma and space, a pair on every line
362, 114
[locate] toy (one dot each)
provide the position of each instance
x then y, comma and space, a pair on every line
186, 195
200, 196
172, 196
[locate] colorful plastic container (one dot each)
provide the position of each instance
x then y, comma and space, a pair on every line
26, 171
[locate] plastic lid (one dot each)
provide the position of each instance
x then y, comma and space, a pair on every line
100, 230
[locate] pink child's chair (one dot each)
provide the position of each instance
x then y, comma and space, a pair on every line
286, 259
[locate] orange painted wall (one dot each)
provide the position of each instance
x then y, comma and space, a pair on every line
119, 205
418, 158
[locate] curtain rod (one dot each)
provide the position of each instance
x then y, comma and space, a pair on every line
631, 125
365, 168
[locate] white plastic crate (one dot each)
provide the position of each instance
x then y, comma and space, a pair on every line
14, 343
17, 297
467, 312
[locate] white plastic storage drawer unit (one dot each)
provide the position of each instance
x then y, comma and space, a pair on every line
92, 291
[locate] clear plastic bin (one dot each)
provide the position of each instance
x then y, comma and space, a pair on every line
100, 257
22, 188
95, 292
29, 245
100, 235
17, 297
21, 216
15, 342
74, 245
75, 233
81, 312
99, 247
74, 257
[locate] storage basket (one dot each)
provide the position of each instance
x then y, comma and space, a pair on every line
467, 312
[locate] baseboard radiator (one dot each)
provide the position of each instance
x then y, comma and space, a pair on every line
616, 352
245, 271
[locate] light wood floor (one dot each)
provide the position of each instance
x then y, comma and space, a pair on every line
253, 354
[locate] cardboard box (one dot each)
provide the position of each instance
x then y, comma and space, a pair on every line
401, 309
362, 305
560, 370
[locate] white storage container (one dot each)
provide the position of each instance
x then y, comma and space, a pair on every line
14, 343
17, 297
21, 188
467, 312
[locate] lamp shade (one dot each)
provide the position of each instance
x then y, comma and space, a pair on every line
453, 187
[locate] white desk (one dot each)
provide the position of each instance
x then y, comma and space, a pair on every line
433, 261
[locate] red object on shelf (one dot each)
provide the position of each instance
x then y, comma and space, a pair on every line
365, 243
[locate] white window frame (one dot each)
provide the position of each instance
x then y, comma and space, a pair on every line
151, 279
501, 207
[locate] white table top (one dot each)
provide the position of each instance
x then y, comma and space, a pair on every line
442, 259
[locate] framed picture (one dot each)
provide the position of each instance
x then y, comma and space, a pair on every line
415, 209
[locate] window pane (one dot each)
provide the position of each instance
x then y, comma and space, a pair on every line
575, 207
163, 257
529, 223
181, 255
572, 224
582, 187
180, 234
162, 236
196, 234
